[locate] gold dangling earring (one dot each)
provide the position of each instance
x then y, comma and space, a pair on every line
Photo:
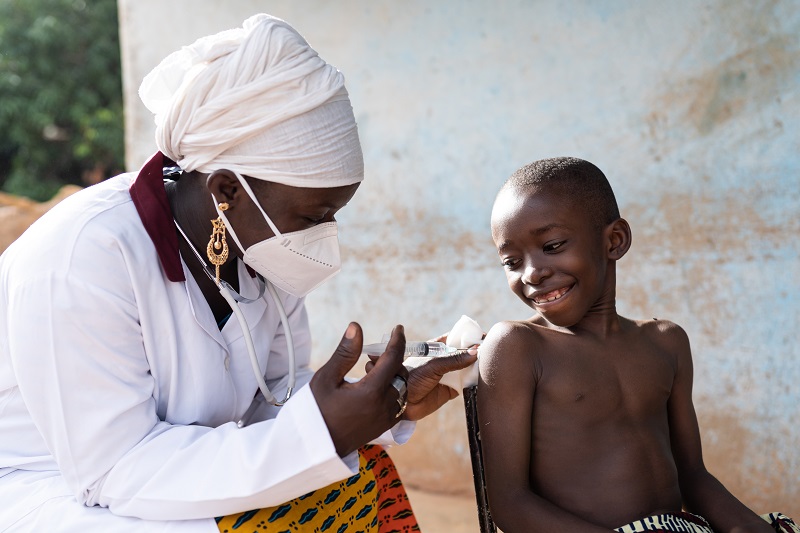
217, 249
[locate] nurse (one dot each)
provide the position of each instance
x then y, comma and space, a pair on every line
128, 401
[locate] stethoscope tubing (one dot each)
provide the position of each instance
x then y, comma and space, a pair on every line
226, 293
233, 300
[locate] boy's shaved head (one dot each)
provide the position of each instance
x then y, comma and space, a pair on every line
575, 179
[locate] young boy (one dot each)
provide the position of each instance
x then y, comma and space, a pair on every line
586, 416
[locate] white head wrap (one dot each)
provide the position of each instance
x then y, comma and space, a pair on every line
259, 101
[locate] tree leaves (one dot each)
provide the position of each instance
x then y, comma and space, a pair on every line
60, 94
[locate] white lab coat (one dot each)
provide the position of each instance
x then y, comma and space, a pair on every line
119, 395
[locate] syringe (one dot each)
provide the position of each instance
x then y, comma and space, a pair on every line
413, 349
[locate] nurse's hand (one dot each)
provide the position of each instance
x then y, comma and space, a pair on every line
359, 412
425, 393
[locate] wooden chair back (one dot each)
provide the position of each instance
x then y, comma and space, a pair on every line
475, 452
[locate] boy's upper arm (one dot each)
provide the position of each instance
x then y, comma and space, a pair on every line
683, 427
505, 404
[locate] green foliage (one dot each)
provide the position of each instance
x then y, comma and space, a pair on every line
60, 94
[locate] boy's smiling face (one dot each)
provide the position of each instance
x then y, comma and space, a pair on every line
555, 257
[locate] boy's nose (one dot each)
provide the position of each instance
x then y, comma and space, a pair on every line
534, 275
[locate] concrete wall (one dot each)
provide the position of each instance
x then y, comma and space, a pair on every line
691, 109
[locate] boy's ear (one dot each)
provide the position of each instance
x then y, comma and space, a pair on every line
619, 238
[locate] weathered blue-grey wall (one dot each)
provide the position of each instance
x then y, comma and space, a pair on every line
691, 109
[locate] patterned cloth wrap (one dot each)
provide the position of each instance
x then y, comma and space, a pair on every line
690, 523
372, 501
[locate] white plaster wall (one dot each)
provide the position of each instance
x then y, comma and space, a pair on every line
690, 108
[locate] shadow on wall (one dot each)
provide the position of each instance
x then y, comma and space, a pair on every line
17, 213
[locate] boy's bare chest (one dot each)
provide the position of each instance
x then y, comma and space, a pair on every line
628, 381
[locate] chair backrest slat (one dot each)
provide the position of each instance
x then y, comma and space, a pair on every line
475, 452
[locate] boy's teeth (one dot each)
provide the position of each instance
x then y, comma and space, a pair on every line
551, 296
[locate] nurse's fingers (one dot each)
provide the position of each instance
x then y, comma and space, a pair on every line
390, 363
346, 354
439, 366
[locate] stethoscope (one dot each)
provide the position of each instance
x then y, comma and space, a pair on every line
234, 299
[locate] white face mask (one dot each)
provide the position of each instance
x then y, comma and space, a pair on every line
296, 262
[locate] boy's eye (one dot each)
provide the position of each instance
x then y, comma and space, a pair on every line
510, 263
552, 246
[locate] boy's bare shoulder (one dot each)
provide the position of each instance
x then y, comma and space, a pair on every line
510, 346
667, 335
513, 336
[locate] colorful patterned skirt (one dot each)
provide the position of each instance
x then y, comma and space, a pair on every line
372, 501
